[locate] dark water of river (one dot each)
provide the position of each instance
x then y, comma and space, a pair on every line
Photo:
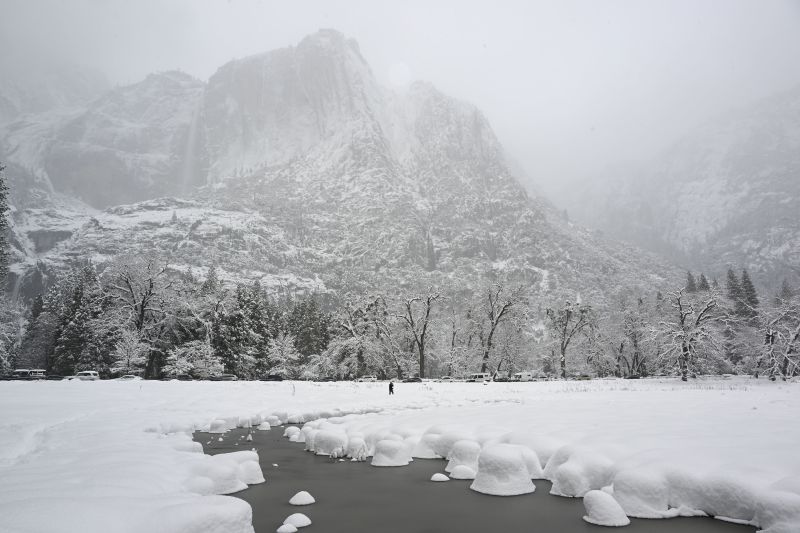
359, 498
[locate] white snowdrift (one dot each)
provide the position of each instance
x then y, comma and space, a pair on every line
102, 456
603, 510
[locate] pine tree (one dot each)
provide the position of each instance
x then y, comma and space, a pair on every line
211, 283
4, 229
749, 296
733, 291
691, 284
785, 295
702, 284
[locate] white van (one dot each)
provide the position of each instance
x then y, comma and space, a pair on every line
479, 377
88, 375
522, 376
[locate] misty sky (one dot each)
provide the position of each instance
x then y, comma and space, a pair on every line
570, 86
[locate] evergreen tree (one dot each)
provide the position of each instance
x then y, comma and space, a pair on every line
310, 327
702, 283
749, 296
691, 284
211, 283
785, 295
733, 291
4, 229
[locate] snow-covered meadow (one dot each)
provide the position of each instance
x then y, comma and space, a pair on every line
118, 456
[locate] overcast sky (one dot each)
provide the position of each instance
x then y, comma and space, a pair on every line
570, 86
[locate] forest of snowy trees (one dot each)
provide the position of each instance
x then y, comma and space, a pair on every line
139, 316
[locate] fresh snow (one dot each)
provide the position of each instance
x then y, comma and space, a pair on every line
302, 498
603, 510
298, 520
119, 456
439, 477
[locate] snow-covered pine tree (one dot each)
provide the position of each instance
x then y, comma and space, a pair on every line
284, 359
749, 296
691, 284
130, 353
785, 295
702, 283
733, 290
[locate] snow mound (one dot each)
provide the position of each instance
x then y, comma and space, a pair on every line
291, 430
642, 493
218, 426
286, 528
224, 473
603, 510
333, 443
503, 471
298, 520
439, 477
272, 420
357, 449
463, 452
423, 449
462, 472
264, 426
211, 514
391, 453
302, 498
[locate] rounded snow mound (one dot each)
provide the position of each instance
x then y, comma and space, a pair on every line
286, 528
302, 498
333, 443
357, 449
463, 452
291, 430
462, 472
218, 426
603, 510
298, 520
391, 453
439, 477
503, 471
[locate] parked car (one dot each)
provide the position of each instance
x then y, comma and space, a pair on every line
88, 375
522, 376
367, 379
129, 377
479, 377
415, 379
273, 377
445, 379
21, 373
38, 373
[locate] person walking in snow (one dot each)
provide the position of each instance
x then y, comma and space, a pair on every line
391, 387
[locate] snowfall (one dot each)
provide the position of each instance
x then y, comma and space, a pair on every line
115, 456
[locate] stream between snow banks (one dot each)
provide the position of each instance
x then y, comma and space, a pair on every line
352, 497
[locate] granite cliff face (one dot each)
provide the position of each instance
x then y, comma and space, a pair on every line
727, 195
296, 168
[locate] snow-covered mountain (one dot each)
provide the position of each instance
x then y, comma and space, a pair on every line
314, 178
727, 195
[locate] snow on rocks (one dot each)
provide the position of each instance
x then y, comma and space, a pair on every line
439, 477
286, 528
302, 498
642, 493
298, 520
218, 426
389, 452
291, 430
603, 510
462, 472
332, 443
463, 452
503, 471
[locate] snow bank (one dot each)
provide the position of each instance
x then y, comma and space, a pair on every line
603, 510
659, 447
503, 471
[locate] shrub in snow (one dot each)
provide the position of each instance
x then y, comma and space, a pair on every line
298, 520
391, 453
302, 498
291, 430
463, 452
333, 443
439, 477
502, 471
603, 510
462, 472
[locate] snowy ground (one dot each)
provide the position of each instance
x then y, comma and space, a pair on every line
118, 456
